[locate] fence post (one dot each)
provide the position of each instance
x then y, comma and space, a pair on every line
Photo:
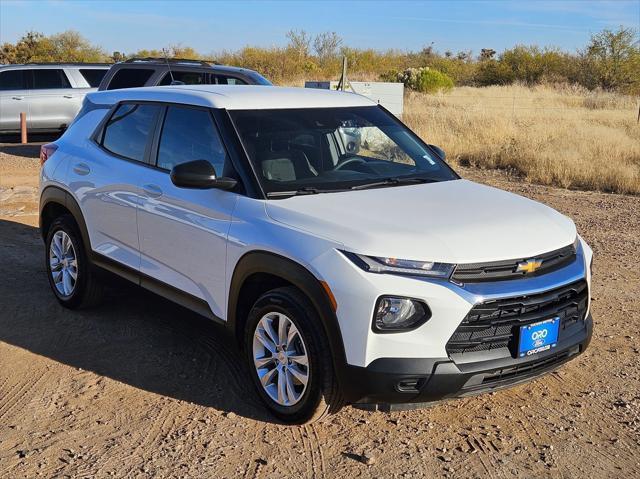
23, 128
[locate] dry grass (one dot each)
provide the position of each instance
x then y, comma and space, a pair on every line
558, 136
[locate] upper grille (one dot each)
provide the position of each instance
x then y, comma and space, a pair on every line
495, 324
507, 269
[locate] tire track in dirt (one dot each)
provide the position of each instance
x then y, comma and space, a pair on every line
19, 391
318, 445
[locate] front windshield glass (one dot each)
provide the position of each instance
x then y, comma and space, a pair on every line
327, 149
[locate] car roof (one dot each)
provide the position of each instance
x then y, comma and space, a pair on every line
234, 97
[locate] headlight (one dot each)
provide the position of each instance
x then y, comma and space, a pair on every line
396, 314
375, 264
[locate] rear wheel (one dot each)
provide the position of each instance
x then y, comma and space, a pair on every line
290, 358
70, 273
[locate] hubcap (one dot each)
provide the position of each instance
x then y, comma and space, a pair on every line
280, 359
63, 263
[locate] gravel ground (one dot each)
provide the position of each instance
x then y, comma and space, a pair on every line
142, 388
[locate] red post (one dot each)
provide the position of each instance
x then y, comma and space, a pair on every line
23, 128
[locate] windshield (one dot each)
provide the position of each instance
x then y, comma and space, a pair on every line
316, 150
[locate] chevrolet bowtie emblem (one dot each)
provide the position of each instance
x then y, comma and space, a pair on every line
529, 266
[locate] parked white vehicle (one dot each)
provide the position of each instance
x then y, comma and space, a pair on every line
49, 94
377, 278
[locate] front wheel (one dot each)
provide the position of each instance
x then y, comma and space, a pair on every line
290, 358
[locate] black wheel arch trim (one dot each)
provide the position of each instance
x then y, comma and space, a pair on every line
55, 194
256, 262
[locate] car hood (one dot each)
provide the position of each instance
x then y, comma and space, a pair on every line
454, 221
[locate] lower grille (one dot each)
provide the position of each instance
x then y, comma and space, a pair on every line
522, 372
495, 324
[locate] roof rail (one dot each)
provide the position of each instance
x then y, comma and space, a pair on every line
68, 63
170, 60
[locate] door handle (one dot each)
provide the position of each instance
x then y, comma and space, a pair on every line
17, 98
81, 169
152, 191
67, 96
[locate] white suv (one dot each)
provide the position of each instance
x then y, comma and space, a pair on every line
348, 261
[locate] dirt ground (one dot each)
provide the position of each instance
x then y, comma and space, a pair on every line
143, 388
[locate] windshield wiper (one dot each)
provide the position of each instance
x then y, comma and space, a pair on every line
393, 182
306, 190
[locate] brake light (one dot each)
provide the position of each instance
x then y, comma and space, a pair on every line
46, 151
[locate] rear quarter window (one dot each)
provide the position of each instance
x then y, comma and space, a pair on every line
128, 130
130, 78
93, 76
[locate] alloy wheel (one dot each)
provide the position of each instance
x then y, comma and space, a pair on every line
280, 359
63, 263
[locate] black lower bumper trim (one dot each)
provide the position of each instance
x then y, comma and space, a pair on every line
400, 383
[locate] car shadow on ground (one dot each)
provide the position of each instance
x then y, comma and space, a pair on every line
10, 144
134, 336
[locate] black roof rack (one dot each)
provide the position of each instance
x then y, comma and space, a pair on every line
170, 60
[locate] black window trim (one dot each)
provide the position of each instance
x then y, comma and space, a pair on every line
247, 182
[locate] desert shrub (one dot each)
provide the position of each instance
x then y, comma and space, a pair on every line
425, 80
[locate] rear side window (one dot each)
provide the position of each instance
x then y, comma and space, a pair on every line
93, 76
189, 134
127, 131
188, 78
225, 80
130, 78
13, 80
50, 79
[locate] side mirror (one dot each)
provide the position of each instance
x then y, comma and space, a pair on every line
199, 174
439, 151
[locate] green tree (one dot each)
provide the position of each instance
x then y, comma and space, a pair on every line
612, 60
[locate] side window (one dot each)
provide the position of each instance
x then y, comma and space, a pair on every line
189, 134
127, 131
93, 76
188, 78
49, 79
13, 80
225, 80
130, 78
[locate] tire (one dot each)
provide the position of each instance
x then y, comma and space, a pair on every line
85, 289
320, 396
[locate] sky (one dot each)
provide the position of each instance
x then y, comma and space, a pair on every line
213, 26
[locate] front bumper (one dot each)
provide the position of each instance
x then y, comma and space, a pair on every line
405, 383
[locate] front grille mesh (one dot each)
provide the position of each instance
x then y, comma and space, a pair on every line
495, 324
502, 270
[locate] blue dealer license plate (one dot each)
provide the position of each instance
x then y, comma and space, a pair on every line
538, 337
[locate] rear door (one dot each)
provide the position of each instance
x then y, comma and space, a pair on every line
53, 103
105, 181
183, 232
13, 98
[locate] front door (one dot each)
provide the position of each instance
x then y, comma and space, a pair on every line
183, 232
